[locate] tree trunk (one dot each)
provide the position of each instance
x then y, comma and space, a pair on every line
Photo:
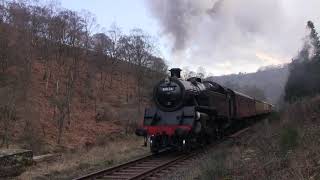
57, 87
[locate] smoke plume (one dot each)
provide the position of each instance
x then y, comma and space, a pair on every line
227, 34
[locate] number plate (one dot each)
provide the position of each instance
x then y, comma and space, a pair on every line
166, 89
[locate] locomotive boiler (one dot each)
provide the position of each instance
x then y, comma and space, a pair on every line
192, 112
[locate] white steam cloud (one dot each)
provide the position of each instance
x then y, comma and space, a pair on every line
227, 36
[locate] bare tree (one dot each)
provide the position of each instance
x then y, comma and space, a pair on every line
42, 17
4, 47
125, 51
113, 50
7, 112
100, 43
141, 50
187, 73
57, 33
17, 51
89, 22
201, 72
74, 46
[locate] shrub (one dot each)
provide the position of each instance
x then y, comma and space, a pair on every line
102, 139
33, 140
274, 116
105, 112
130, 118
214, 167
288, 139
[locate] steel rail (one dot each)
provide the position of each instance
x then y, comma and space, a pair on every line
151, 165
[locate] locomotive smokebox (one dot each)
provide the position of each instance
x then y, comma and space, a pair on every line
175, 72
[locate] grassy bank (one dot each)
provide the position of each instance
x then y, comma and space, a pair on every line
74, 164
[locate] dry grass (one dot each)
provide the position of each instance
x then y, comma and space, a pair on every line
287, 148
73, 164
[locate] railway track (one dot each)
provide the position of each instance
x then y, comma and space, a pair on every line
152, 166
149, 167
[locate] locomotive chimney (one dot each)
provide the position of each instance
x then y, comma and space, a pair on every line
175, 72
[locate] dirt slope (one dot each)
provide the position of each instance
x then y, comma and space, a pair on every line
105, 112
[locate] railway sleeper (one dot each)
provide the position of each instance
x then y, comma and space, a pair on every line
125, 173
131, 170
136, 167
114, 177
160, 162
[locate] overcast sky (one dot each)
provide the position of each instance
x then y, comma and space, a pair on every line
223, 36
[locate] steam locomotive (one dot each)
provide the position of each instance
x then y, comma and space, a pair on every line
193, 111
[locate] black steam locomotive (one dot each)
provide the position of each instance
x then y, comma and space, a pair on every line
193, 111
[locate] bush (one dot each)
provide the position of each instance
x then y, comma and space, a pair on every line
130, 118
102, 139
288, 139
32, 139
105, 112
214, 167
274, 116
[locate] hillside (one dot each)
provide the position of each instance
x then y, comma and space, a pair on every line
270, 80
101, 113
63, 87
